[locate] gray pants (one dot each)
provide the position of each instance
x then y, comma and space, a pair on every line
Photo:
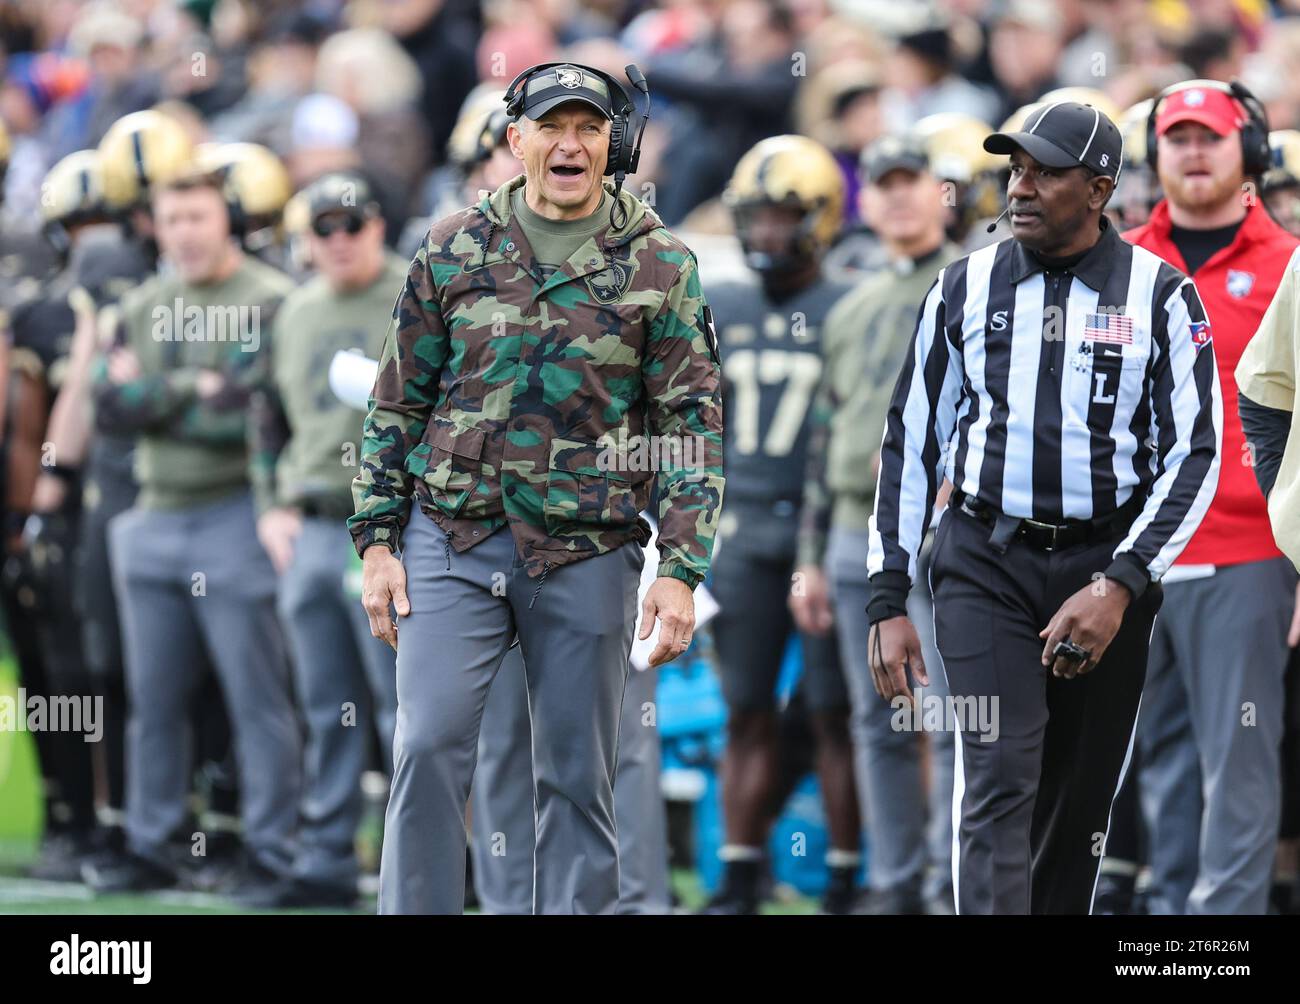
195, 587
575, 631
903, 849
1209, 734
502, 800
344, 678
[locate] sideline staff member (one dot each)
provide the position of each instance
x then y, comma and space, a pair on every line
510, 375
1211, 784
1064, 381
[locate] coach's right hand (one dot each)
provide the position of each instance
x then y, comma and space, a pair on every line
383, 586
893, 646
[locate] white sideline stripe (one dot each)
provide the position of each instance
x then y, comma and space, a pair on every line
20, 890
37, 890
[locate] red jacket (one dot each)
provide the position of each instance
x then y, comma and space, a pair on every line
1236, 285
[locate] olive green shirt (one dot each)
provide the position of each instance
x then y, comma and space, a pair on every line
306, 442
191, 450
555, 241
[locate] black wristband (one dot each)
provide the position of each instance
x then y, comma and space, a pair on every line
1129, 572
888, 596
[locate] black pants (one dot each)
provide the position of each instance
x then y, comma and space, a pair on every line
1035, 801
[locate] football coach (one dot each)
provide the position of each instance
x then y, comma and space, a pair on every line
1064, 381
538, 334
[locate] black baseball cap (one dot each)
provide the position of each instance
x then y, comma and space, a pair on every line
1066, 134
341, 192
556, 85
893, 153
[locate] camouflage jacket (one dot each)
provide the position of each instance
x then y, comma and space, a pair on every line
508, 397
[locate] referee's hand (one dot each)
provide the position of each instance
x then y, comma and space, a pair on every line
1090, 620
894, 648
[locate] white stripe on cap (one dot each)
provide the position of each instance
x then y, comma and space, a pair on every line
1054, 104
1096, 121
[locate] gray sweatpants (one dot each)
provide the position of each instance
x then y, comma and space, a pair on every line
1218, 660
903, 849
502, 805
575, 631
191, 582
344, 679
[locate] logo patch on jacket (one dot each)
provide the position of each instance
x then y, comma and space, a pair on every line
1240, 283
608, 286
1200, 334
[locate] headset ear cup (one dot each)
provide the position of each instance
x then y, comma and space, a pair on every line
1255, 153
617, 133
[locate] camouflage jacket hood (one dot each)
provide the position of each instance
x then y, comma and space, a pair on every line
548, 402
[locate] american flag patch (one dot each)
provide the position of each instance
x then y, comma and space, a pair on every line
1114, 328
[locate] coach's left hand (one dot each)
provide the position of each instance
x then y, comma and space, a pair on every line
672, 601
1090, 619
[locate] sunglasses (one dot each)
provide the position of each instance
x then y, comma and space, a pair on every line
351, 224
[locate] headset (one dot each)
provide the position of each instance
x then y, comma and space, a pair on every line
626, 128
1256, 157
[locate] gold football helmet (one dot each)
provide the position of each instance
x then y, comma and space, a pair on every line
1016, 120
139, 150
790, 171
256, 183
73, 190
1133, 129
955, 144
464, 145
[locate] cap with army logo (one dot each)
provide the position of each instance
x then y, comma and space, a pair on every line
557, 85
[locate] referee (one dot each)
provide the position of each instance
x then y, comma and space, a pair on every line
1064, 381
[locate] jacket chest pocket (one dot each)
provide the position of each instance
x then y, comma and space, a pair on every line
579, 490
452, 463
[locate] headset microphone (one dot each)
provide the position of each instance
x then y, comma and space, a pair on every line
996, 220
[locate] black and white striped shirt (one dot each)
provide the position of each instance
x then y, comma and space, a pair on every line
1055, 395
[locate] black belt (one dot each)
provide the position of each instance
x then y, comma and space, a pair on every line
326, 508
1047, 536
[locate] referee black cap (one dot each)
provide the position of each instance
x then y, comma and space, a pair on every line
1065, 134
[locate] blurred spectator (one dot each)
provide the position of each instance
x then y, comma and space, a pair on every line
1214, 54
322, 137
326, 136
109, 42
199, 72
281, 70
1025, 49
841, 108
381, 83
1090, 45
727, 96
441, 37
32, 84
923, 80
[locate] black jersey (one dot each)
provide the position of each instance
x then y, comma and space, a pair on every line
771, 366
